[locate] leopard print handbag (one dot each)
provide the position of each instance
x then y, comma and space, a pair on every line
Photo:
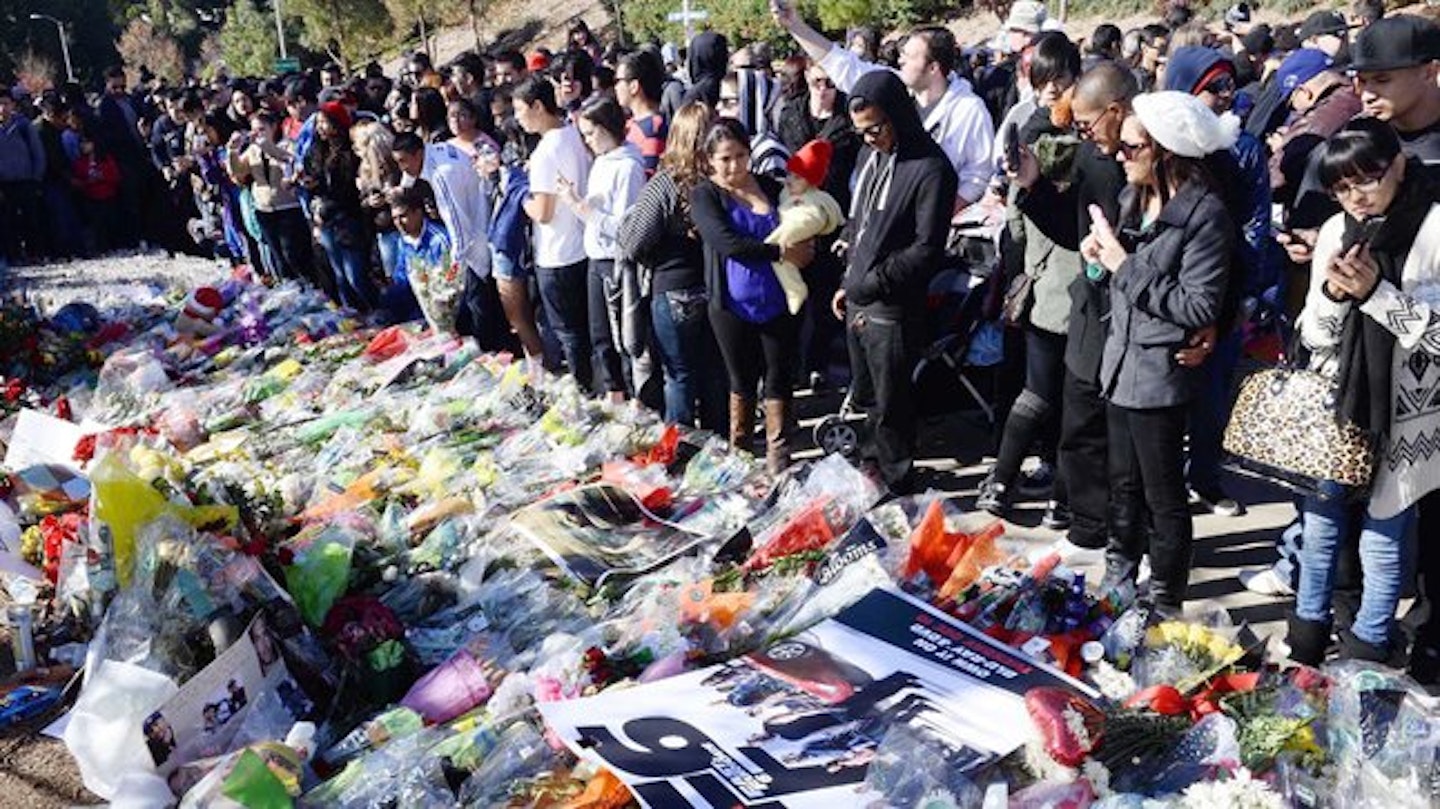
1283, 427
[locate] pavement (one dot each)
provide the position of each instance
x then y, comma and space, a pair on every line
958, 449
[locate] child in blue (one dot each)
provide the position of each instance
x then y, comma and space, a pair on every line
424, 259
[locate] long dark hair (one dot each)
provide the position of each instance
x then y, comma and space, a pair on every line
726, 129
1172, 171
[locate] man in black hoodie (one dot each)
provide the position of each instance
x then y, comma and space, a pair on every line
707, 62
899, 221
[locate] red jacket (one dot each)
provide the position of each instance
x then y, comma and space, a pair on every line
97, 179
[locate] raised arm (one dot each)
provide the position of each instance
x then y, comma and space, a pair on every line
843, 67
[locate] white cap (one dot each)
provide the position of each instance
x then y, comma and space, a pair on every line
1184, 124
1027, 16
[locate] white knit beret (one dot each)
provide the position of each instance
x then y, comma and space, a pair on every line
1184, 125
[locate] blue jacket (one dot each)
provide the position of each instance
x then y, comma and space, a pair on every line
1245, 176
509, 226
21, 155
1259, 266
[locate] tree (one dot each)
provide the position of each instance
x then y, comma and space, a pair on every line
739, 20
350, 31
141, 45
422, 14
247, 40
36, 72
88, 24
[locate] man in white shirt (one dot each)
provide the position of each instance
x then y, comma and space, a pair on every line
464, 205
559, 236
954, 116
460, 195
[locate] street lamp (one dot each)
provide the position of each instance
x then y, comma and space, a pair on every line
64, 43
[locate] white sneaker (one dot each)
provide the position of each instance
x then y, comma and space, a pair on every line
1070, 553
1266, 583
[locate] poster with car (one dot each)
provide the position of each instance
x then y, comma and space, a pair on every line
797, 724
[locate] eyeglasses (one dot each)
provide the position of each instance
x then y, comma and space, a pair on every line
728, 101
1364, 187
624, 78
875, 130
1129, 150
822, 83
1220, 85
1087, 130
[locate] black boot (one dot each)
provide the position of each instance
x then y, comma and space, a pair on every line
1424, 666
1308, 640
1388, 654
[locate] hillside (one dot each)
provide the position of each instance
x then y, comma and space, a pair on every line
526, 24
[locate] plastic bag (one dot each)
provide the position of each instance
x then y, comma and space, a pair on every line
909, 769
104, 733
121, 503
1383, 726
319, 572
519, 753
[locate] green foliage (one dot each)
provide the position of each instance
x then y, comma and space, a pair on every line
739, 20
350, 31
247, 40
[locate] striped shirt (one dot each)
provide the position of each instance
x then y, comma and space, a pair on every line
648, 134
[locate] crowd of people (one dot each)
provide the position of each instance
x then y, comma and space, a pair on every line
706, 230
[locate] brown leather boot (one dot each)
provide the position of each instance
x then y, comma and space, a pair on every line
777, 435
742, 421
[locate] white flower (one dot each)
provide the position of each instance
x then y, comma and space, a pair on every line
1240, 791
1098, 775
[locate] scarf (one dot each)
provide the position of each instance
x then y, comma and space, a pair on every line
1367, 348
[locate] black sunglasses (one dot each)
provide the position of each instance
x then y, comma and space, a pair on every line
1129, 150
875, 130
1220, 85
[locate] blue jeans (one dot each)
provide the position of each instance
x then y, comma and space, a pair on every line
287, 239
1209, 411
564, 296
350, 261
388, 243
689, 358
601, 291
1382, 558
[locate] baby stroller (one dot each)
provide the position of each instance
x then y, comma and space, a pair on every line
963, 331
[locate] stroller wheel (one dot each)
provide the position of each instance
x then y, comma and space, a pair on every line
836, 436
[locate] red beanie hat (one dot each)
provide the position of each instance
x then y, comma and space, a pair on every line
337, 113
204, 303
812, 162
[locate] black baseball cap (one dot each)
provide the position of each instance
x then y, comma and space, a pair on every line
1321, 23
1394, 43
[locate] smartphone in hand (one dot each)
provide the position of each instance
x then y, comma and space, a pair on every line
1012, 147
